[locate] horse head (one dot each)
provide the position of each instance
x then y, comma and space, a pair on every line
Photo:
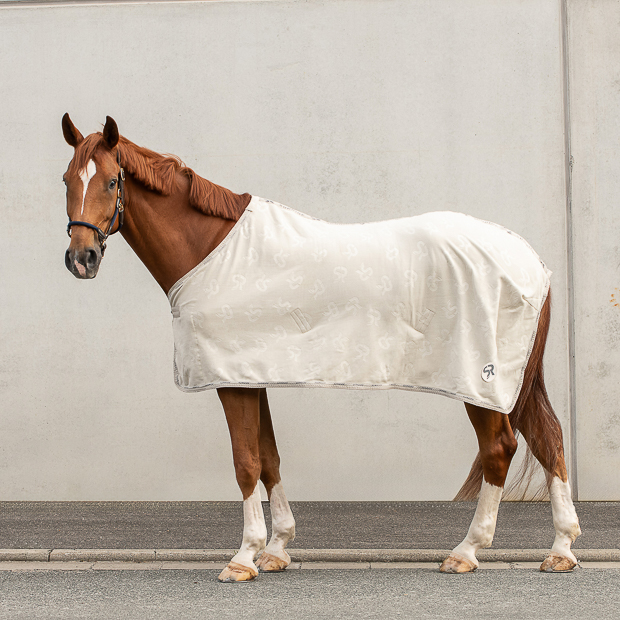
95, 188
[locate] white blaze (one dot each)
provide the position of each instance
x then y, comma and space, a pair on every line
86, 175
482, 528
254, 530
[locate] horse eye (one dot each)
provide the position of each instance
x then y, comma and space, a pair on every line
112, 184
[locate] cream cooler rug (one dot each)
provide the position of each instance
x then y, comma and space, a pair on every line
440, 302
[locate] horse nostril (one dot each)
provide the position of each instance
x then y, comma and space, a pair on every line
68, 260
91, 258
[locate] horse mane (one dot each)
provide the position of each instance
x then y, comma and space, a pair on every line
158, 172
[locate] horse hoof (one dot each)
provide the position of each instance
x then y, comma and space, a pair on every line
457, 564
237, 572
268, 563
555, 563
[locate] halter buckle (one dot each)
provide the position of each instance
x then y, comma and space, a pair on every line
120, 190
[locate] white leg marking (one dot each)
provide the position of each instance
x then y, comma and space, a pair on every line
565, 518
282, 524
482, 528
254, 530
86, 175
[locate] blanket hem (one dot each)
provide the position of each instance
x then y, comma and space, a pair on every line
344, 386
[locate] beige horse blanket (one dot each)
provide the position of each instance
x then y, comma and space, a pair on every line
441, 302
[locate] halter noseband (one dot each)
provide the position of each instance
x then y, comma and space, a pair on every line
119, 211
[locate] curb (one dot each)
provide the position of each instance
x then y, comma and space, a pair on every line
297, 555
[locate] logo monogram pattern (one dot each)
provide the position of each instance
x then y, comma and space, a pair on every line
438, 302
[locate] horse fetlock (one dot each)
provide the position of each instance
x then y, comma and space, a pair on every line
484, 539
467, 551
255, 539
284, 528
561, 546
278, 542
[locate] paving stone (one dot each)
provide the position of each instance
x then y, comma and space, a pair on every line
193, 565
494, 566
195, 555
388, 565
102, 555
526, 565
35, 555
334, 565
599, 564
39, 566
127, 566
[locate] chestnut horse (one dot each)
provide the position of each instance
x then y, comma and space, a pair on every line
173, 219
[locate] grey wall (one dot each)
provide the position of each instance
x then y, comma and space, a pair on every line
594, 62
350, 110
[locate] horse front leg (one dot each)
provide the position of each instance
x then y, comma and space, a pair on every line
242, 409
497, 447
274, 558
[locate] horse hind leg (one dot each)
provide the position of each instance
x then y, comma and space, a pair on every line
534, 418
561, 558
497, 446
543, 434
274, 558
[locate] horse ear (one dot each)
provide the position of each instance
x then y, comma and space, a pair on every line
71, 132
110, 132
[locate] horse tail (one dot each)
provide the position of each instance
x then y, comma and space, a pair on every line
532, 416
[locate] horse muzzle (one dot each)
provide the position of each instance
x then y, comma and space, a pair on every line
83, 263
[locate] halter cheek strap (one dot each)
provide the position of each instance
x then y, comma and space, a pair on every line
119, 211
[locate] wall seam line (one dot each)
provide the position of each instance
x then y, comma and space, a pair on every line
568, 172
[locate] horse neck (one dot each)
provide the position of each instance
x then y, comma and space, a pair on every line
169, 235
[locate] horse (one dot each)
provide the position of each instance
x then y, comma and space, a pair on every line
176, 220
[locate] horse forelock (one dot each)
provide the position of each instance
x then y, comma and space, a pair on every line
158, 173
84, 152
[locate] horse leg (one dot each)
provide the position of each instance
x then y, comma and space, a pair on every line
497, 446
545, 442
242, 409
274, 558
534, 418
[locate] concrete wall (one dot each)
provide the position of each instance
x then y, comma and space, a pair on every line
350, 110
594, 61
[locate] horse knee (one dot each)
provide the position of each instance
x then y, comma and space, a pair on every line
269, 478
248, 473
270, 470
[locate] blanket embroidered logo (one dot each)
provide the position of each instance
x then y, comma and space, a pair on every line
488, 373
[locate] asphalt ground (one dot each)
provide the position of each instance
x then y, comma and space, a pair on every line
320, 525
404, 593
